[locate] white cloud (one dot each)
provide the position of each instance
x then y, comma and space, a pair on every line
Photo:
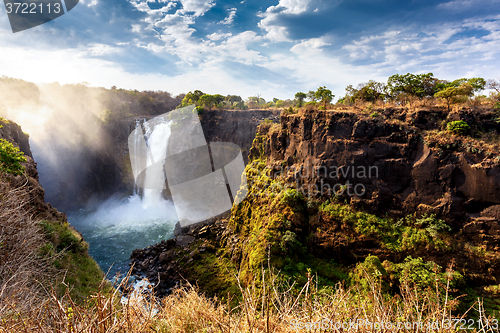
218, 36
465, 5
199, 7
310, 45
279, 33
97, 49
229, 20
89, 3
435, 49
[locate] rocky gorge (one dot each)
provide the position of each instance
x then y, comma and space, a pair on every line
435, 196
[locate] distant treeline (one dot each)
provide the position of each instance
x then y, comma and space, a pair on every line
107, 104
399, 89
117, 103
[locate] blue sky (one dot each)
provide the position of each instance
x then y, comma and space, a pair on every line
267, 48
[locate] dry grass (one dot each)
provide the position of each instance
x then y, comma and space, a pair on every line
28, 303
22, 266
274, 306
488, 143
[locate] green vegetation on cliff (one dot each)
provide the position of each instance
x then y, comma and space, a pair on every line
38, 249
11, 158
82, 275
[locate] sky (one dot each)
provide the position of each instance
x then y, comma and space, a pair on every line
255, 48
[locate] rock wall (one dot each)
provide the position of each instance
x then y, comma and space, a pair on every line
389, 158
419, 169
29, 182
108, 168
238, 127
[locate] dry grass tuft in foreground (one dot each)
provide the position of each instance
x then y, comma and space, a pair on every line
276, 306
23, 269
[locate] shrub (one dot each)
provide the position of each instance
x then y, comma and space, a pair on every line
11, 158
292, 198
290, 244
199, 110
423, 275
458, 127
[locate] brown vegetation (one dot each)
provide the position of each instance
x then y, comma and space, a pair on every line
273, 307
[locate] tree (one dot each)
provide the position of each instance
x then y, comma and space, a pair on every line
494, 85
206, 101
255, 102
311, 96
470, 86
418, 85
477, 83
366, 92
218, 99
458, 127
324, 95
192, 98
451, 93
233, 99
300, 96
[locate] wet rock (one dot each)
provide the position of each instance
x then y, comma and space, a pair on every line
166, 256
184, 240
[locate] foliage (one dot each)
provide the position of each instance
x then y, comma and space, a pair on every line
450, 94
311, 95
418, 85
324, 95
292, 198
366, 92
199, 110
300, 96
118, 103
233, 99
274, 306
206, 101
458, 127
423, 275
368, 273
11, 158
468, 86
290, 244
254, 102
18, 90
192, 98
406, 234
83, 275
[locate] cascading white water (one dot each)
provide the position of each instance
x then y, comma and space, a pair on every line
157, 142
119, 226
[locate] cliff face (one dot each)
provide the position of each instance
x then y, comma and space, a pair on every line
38, 246
13, 133
238, 127
394, 164
407, 168
107, 170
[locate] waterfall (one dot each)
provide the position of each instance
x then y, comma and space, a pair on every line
157, 142
120, 225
